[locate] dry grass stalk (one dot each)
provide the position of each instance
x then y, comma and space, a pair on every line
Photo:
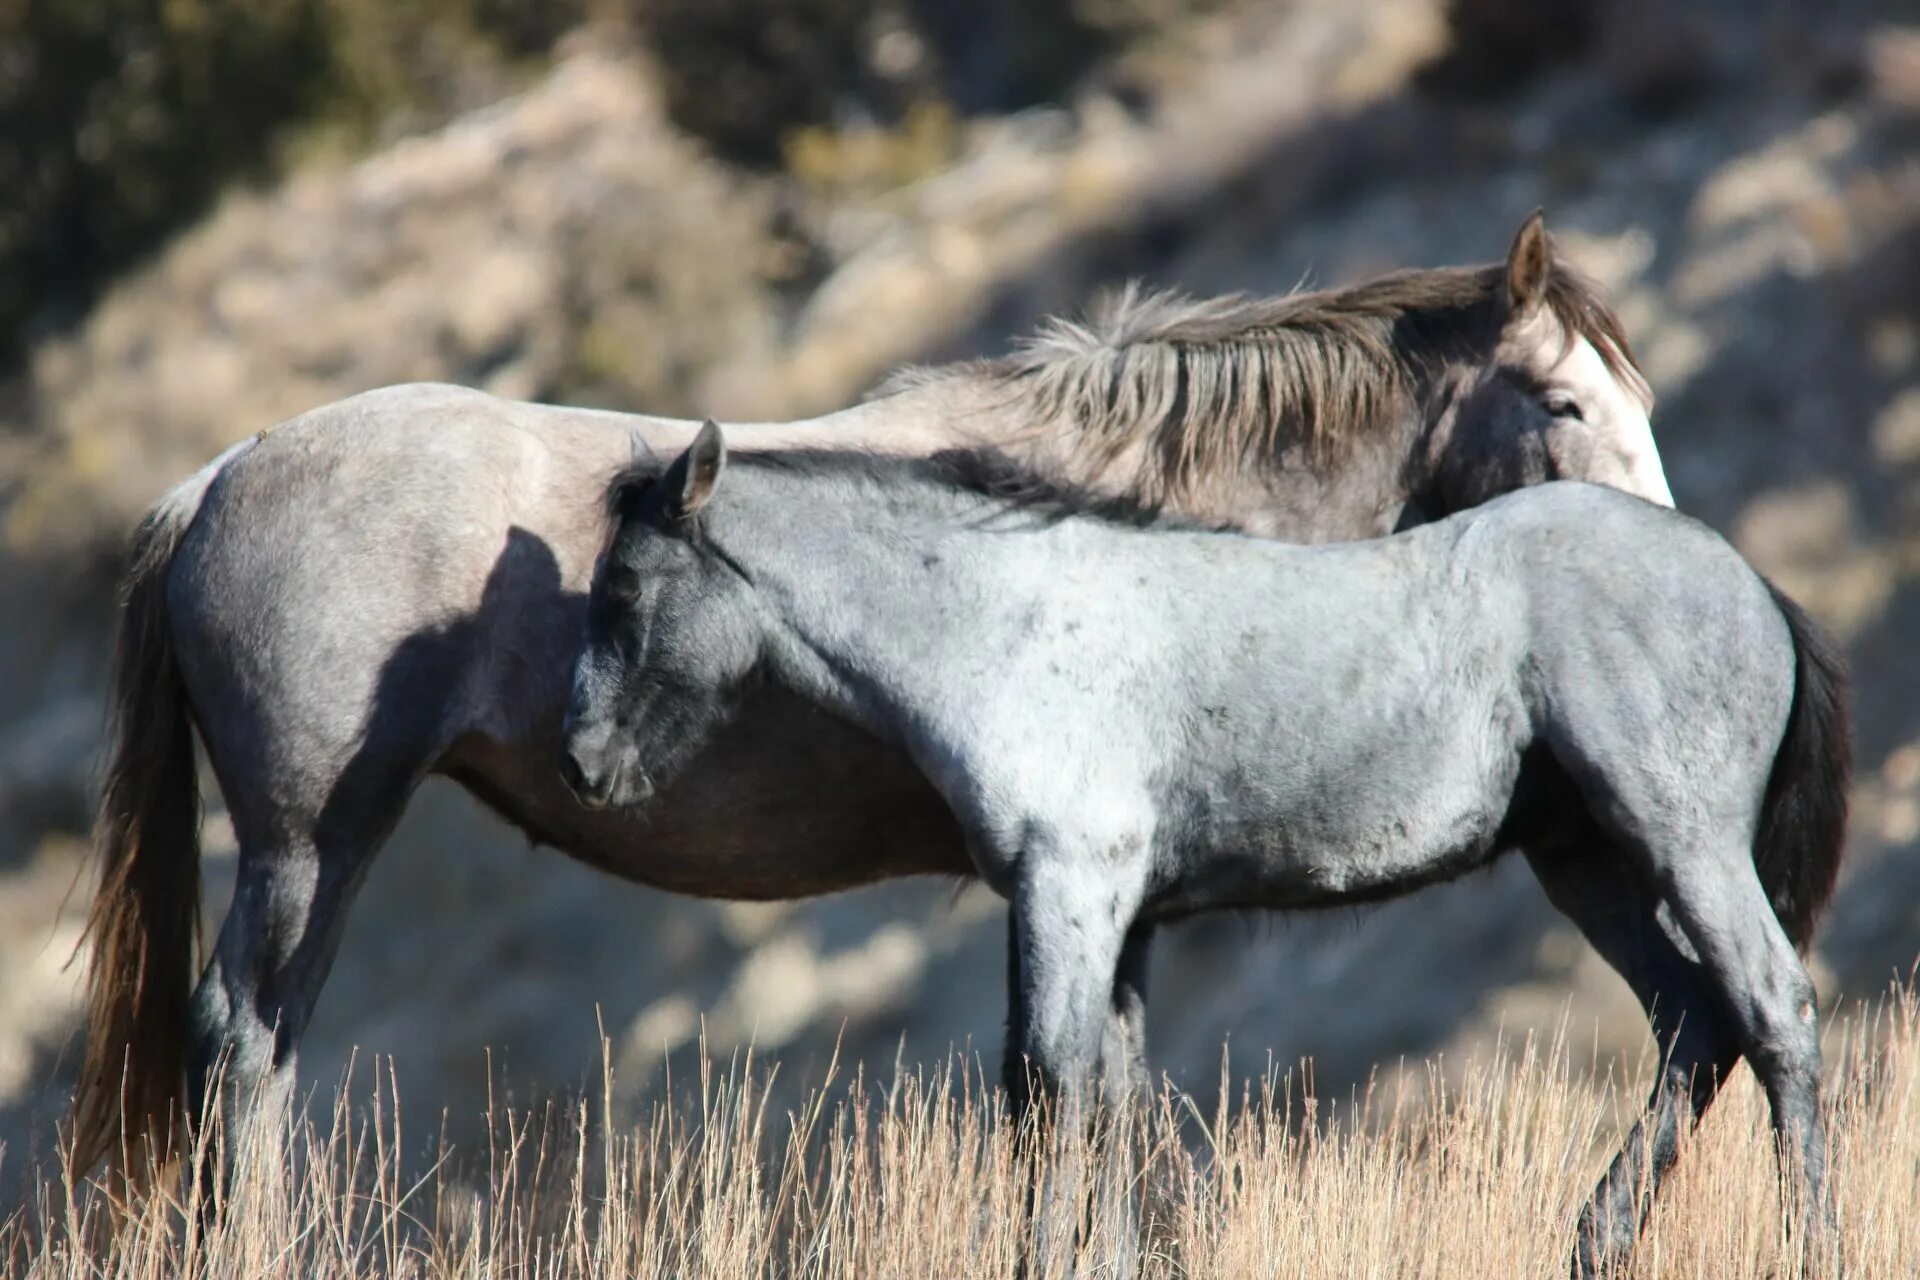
926, 1176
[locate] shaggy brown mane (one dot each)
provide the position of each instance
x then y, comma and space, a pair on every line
1207, 388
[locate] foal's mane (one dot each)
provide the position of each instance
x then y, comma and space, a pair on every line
1205, 389
983, 470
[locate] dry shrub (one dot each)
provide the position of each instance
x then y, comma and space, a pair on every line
925, 1176
121, 119
745, 76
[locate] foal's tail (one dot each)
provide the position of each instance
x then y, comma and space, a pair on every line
1803, 821
145, 918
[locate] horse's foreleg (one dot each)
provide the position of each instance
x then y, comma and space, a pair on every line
1592, 886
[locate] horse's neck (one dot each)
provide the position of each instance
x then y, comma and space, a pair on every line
1301, 495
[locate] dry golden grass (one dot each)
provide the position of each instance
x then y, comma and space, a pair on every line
924, 1178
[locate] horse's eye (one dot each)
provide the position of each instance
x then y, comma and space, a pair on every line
1562, 405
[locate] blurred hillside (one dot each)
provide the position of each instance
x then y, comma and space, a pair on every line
691, 207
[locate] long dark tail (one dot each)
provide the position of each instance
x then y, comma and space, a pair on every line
1803, 822
145, 919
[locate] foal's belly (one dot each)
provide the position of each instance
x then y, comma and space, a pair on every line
1358, 829
1253, 875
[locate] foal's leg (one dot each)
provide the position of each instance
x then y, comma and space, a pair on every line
1123, 1051
1616, 912
1071, 922
1123, 1045
1072, 915
1125, 1086
1767, 996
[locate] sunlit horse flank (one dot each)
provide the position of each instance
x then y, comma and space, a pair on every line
392, 586
1137, 724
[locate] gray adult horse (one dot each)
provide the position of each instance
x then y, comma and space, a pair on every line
392, 586
1134, 725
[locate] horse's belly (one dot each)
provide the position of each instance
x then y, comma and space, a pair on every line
783, 803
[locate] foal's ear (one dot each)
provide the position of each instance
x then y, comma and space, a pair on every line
1529, 263
691, 478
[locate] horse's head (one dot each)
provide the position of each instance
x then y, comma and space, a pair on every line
1559, 399
671, 633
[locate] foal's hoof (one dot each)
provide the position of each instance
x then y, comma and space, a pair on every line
1598, 1257
1585, 1266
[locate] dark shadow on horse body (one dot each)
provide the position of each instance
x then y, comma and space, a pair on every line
771, 823
789, 801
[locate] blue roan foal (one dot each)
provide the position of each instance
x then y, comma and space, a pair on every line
1134, 721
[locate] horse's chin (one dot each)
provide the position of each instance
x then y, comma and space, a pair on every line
1651, 484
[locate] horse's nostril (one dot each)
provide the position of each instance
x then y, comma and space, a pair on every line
571, 772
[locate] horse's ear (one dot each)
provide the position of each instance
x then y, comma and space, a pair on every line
1529, 263
695, 472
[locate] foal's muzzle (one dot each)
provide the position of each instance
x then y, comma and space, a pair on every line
591, 792
603, 778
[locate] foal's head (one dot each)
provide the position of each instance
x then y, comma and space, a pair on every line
1560, 398
672, 632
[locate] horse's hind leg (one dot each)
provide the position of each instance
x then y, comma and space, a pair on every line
295, 880
1619, 915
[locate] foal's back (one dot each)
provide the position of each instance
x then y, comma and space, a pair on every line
1308, 724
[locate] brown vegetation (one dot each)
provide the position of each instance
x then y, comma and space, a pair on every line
923, 1176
